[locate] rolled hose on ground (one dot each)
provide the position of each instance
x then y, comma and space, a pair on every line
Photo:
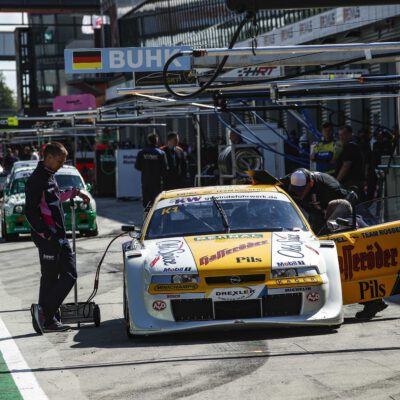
246, 158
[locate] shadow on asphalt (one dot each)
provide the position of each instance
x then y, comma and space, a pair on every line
27, 335
112, 334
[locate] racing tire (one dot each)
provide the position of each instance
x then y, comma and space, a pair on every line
8, 237
96, 316
127, 319
124, 302
90, 233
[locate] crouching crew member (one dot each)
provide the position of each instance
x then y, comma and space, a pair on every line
45, 215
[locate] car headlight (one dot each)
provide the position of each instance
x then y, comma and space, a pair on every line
166, 279
18, 209
291, 272
83, 206
184, 278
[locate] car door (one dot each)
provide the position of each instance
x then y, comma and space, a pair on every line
369, 258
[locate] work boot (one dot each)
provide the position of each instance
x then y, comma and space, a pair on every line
371, 308
55, 326
37, 318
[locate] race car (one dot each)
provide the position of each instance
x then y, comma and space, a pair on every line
13, 220
229, 257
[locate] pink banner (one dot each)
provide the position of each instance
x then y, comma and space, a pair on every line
78, 102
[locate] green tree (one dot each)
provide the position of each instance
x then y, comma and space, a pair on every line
7, 100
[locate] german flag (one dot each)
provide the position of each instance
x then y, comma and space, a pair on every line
86, 60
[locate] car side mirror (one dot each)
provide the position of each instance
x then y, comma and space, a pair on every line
89, 187
129, 228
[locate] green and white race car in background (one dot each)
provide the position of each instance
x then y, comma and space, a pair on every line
13, 220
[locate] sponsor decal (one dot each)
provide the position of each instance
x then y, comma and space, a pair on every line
248, 260
313, 297
373, 257
177, 269
49, 257
173, 296
290, 246
168, 210
290, 263
187, 200
240, 293
176, 286
247, 72
297, 289
297, 280
155, 261
230, 236
159, 305
224, 252
339, 239
388, 231
312, 249
169, 250
373, 288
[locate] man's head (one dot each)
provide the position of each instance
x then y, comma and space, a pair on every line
54, 156
172, 140
301, 183
345, 133
339, 208
152, 139
9, 151
327, 131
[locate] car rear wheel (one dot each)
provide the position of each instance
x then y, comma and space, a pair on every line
90, 233
8, 237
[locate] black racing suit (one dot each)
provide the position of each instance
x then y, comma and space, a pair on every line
152, 163
45, 215
325, 189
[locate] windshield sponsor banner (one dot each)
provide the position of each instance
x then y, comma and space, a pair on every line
230, 236
235, 293
292, 249
221, 196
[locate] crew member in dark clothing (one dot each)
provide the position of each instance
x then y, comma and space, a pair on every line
152, 163
176, 159
313, 191
349, 167
9, 160
45, 215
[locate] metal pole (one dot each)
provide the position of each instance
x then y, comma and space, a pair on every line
198, 146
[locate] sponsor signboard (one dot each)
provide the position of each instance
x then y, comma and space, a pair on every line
124, 59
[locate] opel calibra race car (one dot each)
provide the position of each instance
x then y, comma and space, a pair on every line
14, 221
229, 256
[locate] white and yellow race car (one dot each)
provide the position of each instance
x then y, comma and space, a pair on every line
229, 256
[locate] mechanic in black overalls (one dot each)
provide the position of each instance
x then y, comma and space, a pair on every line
152, 163
45, 215
312, 191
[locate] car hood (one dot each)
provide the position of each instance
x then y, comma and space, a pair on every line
232, 253
16, 199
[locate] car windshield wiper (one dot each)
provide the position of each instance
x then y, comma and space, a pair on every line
223, 214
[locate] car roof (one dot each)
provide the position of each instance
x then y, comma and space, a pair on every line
218, 190
22, 173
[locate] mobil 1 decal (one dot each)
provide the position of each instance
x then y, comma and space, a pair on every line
291, 249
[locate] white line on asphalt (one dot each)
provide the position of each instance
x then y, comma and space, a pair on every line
20, 371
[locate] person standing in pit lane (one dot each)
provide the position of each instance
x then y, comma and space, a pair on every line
152, 163
312, 191
45, 215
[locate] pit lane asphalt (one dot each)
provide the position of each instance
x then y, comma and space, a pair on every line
360, 361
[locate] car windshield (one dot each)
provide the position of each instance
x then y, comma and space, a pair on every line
379, 211
245, 213
18, 186
67, 181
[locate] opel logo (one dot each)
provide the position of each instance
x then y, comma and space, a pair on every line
235, 280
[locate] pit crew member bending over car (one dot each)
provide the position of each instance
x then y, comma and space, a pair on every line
45, 215
343, 209
312, 191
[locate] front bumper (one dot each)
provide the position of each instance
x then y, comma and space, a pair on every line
284, 307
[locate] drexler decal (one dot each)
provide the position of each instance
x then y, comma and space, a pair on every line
224, 252
373, 257
240, 293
